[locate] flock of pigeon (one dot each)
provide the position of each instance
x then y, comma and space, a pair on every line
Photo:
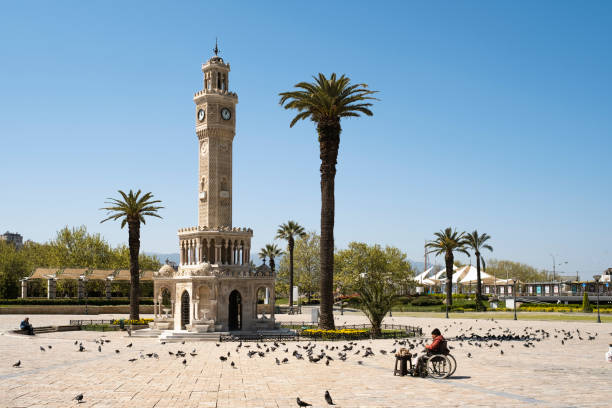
328, 352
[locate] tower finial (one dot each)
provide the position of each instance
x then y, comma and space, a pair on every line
216, 49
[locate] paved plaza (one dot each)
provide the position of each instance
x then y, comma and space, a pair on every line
549, 374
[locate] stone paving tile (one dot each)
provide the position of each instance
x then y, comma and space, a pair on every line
549, 375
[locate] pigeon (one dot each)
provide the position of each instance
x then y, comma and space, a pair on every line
183, 342
132, 359
277, 361
42, 348
76, 342
81, 348
17, 364
233, 364
328, 398
469, 355
129, 345
100, 349
217, 344
222, 358
49, 347
79, 398
285, 360
117, 351
184, 362
193, 354
302, 403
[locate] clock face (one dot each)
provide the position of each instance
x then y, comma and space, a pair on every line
226, 114
201, 115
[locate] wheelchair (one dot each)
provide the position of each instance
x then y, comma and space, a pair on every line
438, 365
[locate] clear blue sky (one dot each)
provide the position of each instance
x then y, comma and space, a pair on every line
493, 115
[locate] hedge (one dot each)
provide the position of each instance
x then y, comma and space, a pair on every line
73, 301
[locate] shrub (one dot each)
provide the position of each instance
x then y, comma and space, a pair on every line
586, 305
73, 301
426, 301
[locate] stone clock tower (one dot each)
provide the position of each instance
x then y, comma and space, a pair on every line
215, 287
215, 126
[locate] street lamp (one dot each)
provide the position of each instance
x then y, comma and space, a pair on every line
597, 278
513, 283
84, 279
555, 264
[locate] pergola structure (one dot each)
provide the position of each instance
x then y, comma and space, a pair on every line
81, 275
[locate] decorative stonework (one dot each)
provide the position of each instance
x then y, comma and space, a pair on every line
214, 270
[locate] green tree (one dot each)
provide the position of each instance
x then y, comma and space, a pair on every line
132, 209
376, 274
325, 102
307, 264
477, 243
504, 269
270, 251
446, 243
586, 305
289, 231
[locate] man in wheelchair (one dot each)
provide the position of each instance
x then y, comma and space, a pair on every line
438, 346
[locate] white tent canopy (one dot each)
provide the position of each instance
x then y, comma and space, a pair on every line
423, 276
470, 277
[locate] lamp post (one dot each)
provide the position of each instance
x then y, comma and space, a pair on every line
513, 283
555, 264
84, 279
597, 278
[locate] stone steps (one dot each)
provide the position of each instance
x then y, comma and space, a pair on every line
179, 336
147, 333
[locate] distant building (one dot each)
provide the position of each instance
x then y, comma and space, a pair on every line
13, 238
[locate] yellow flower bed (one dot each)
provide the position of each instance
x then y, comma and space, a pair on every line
336, 334
133, 322
341, 331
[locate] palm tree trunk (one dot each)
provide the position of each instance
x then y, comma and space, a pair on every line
291, 244
450, 259
134, 245
329, 141
478, 284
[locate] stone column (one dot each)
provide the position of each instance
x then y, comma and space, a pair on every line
51, 288
198, 250
267, 298
230, 254
181, 253
24, 288
107, 288
241, 254
273, 300
81, 289
218, 254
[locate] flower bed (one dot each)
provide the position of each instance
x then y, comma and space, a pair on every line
133, 322
341, 334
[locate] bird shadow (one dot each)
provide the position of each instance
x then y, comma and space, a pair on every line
459, 377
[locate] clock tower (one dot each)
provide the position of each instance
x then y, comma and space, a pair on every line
215, 288
215, 118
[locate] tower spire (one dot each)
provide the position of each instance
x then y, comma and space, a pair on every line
216, 49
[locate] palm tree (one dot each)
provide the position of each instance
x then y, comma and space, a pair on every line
477, 243
288, 232
132, 210
270, 251
445, 243
326, 101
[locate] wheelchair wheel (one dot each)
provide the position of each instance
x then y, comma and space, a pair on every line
439, 366
453, 363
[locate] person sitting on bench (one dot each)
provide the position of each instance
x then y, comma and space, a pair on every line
25, 325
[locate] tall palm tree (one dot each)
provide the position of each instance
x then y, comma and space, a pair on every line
132, 209
477, 243
288, 232
445, 243
270, 251
326, 101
